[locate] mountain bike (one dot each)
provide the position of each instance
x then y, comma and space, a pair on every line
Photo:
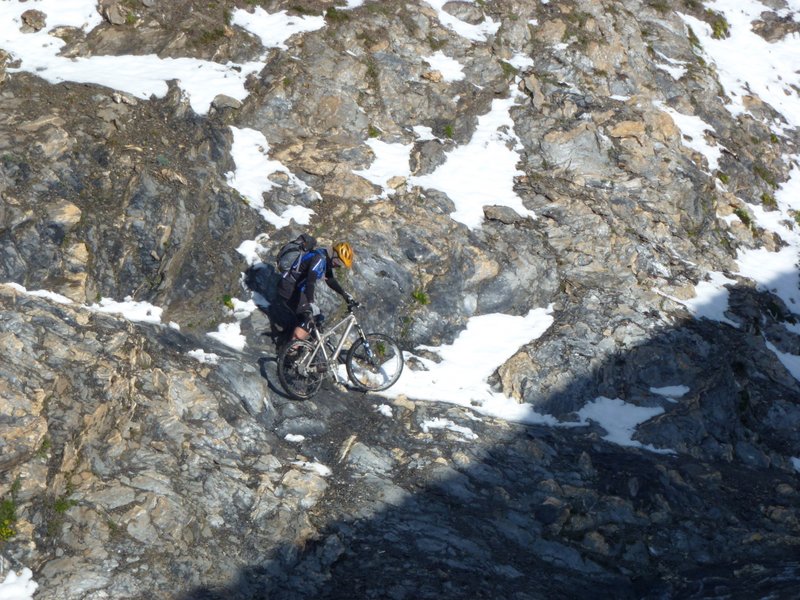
373, 362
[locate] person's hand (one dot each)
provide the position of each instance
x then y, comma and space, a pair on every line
351, 302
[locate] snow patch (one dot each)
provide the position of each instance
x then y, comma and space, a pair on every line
391, 160
204, 357
476, 33
790, 361
464, 432
141, 76
130, 309
18, 586
777, 272
460, 377
251, 178
482, 172
229, 334
711, 299
694, 130
620, 421
40, 293
521, 61
450, 68
423, 133
675, 68
671, 392
273, 29
313, 467
747, 64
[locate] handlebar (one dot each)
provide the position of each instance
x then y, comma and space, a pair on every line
315, 322
311, 322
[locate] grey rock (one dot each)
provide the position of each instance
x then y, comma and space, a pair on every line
365, 459
136, 469
302, 425
114, 12
33, 20
751, 455
222, 101
564, 556
504, 214
464, 11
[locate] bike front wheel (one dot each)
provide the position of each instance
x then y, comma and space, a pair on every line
300, 369
374, 362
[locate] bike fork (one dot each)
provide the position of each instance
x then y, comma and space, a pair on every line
370, 354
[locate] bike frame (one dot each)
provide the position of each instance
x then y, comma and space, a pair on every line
343, 329
303, 365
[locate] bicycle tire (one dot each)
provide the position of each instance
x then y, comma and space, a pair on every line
374, 362
300, 384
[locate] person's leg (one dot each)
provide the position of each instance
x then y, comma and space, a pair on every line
300, 303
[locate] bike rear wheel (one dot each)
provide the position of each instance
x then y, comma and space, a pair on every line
300, 369
374, 363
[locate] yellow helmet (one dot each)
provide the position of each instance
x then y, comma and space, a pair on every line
345, 253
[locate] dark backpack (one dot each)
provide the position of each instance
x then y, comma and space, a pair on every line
290, 254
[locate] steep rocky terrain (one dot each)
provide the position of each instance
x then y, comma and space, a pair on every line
129, 468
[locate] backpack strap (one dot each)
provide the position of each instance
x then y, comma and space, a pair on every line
296, 264
309, 256
294, 271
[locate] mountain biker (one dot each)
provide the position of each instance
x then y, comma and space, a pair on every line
297, 287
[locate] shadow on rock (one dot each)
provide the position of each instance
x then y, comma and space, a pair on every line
268, 369
262, 279
486, 509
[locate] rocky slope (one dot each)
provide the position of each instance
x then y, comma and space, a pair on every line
129, 468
